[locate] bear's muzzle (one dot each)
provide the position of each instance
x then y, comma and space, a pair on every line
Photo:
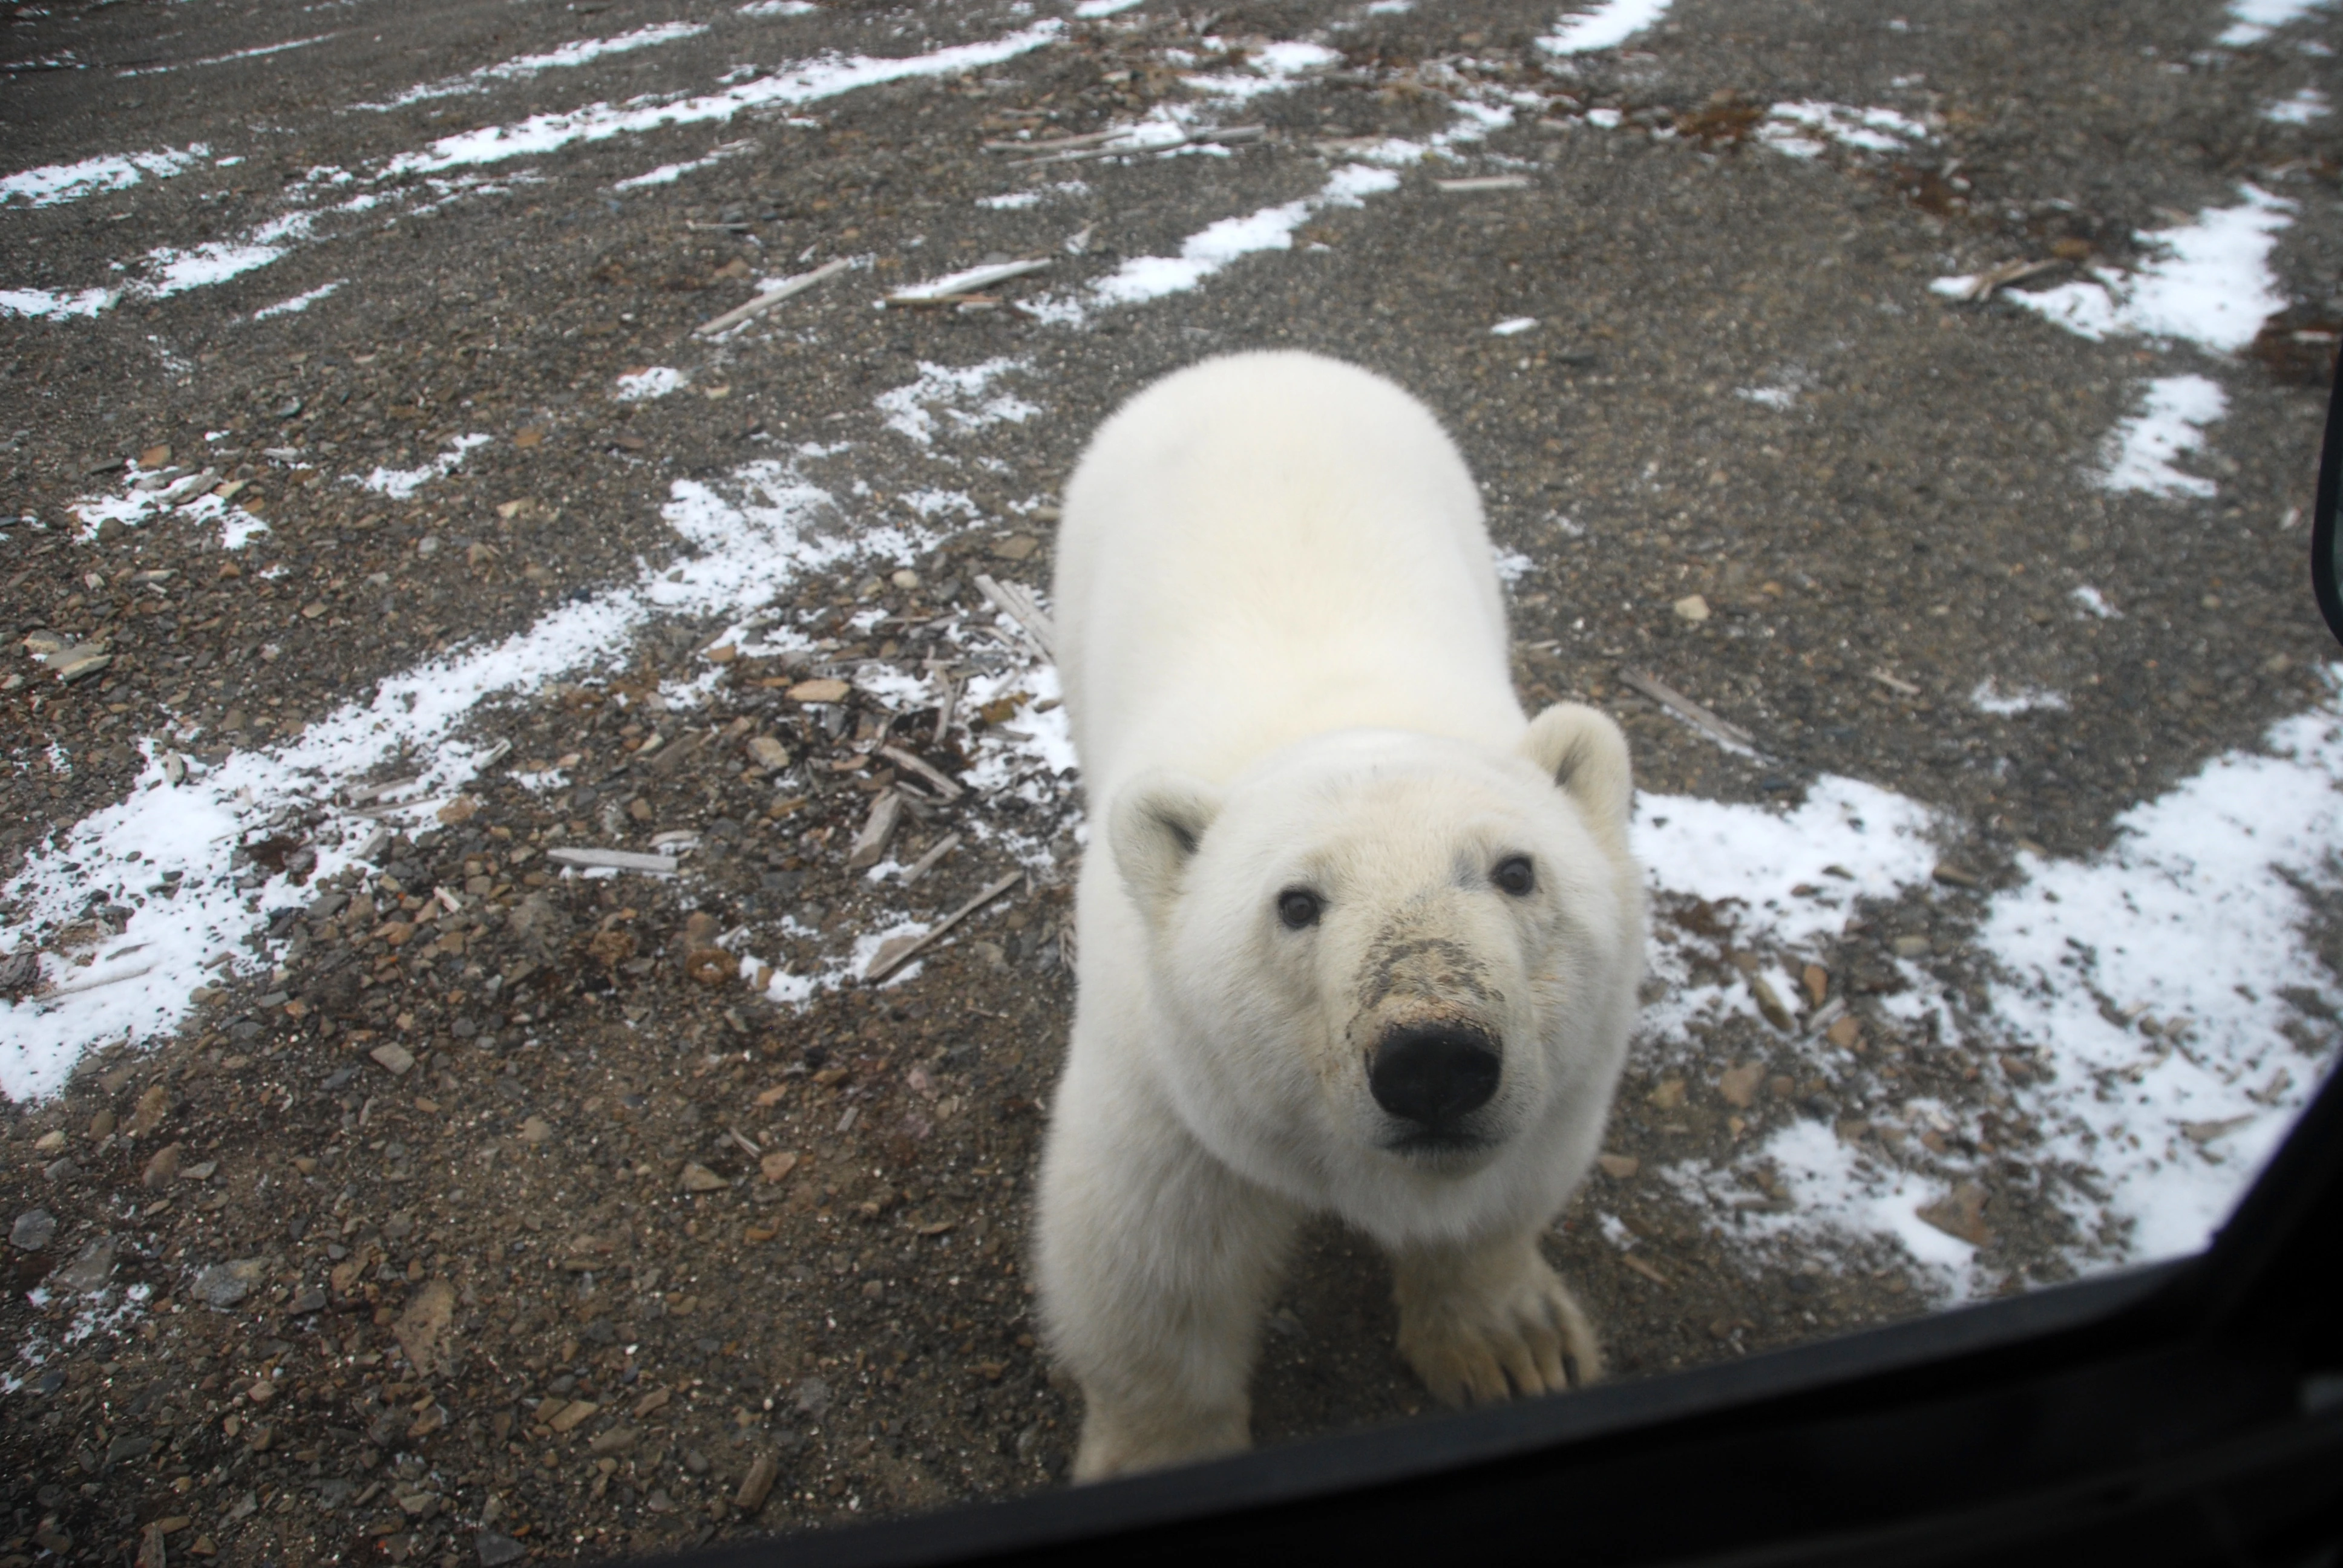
1434, 1075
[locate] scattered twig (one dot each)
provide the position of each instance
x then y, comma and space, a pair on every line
950, 700
1054, 143
1486, 183
926, 863
1691, 712
960, 285
770, 297
1893, 684
670, 756
1829, 1013
80, 986
910, 763
1983, 285
1138, 149
395, 812
894, 955
614, 859
361, 794
1017, 603
1641, 1267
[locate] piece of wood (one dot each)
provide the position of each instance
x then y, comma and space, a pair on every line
1054, 143
886, 815
1692, 712
1073, 155
1892, 684
1486, 183
894, 955
1829, 1013
671, 756
1016, 602
1985, 283
361, 794
911, 763
975, 280
613, 860
944, 707
926, 863
1641, 1267
770, 297
77, 987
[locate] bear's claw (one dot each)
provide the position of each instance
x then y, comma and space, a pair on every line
1475, 1339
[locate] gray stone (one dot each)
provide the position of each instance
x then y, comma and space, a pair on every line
497, 1549
34, 1230
224, 1284
90, 1269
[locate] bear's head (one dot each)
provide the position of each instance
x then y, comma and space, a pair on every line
1388, 959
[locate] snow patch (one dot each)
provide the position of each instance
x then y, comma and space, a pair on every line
1147, 277
229, 59
1806, 130
299, 302
2094, 604
2212, 285
959, 394
2140, 450
60, 183
46, 305
668, 174
1608, 25
2305, 106
2196, 920
2255, 20
641, 386
401, 483
1989, 698
521, 67
803, 83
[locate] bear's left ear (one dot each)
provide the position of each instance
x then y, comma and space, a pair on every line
1584, 752
1156, 825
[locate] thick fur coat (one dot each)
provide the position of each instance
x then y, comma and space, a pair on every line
1356, 936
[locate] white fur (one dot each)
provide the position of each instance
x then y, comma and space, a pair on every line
1285, 656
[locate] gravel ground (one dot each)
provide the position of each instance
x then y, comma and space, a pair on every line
477, 1208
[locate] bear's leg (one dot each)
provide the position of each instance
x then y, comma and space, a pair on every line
1156, 1265
1483, 1321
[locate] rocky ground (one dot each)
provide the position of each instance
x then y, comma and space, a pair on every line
389, 1180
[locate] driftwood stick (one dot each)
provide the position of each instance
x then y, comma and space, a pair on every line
897, 953
1685, 708
770, 297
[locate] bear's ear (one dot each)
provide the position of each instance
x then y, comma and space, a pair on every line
1584, 752
1156, 824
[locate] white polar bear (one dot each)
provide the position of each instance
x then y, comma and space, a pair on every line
1354, 934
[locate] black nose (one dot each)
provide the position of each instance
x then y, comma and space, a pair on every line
1433, 1074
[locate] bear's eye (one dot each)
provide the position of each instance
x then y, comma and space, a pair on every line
1515, 875
1298, 907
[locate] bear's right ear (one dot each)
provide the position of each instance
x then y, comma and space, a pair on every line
1156, 825
1582, 751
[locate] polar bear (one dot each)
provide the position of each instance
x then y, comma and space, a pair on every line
1355, 936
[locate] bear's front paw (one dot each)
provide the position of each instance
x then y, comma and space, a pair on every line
1526, 1335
